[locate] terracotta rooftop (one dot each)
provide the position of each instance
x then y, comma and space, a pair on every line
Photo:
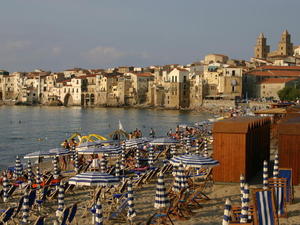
144, 74
276, 80
284, 73
279, 68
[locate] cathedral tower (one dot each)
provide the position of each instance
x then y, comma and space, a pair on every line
261, 48
285, 47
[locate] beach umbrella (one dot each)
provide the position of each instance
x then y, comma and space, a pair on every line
198, 148
18, 168
137, 158
227, 212
29, 172
25, 208
276, 166
112, 149
161, 196
265, 175
245, 205
180, 179
5, 187
38, 155
59, 151
99, 215
102, 165
117, 169
38, 178
173, 150
164, 141
93, 179
151, 156
188, 145
76, 161
123, 157
192, 160
55, 168
100, 150
131, 212
60, 199
242, 184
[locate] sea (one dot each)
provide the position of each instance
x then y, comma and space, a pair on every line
25, 129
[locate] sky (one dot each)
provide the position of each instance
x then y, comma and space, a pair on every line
62, 34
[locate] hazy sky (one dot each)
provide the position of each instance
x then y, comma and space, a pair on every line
61, 34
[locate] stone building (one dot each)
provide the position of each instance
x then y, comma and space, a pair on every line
177, 89
269, 87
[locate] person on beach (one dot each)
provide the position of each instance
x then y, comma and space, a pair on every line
169, 132
152, 133
66, 145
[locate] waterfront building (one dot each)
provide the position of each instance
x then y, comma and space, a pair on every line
254, 79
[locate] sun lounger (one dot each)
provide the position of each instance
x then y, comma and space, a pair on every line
287, 173
119, 215
7, 215
162, 217
39, 221
72, 214
265, 208
18, 208
65, 216
280, 190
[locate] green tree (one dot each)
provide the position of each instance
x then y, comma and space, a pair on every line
289, 93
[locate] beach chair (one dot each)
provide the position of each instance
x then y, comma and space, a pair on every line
72, 214
69, 187
18, 208
120, 214
65, 216
162, 217
39, 221
11, 190
287, 173
236, 212
264, 207
280, 190
32, 197
7, 215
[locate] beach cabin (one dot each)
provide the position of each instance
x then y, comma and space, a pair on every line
240, 145
289, 146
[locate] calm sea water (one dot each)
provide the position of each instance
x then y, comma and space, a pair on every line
27, 129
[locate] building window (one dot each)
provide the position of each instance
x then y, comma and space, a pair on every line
183, 92
184, 78
176, 79
233, 72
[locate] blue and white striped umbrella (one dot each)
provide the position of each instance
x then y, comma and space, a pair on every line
265, 175
242, 184
180, 179
59, 151
5, 188
198, 148
94, 179
117, 169
173, 150
192, 160
38, 177
61, 198
37, 155
29, 173
227, 213
276, 166
18, 168
56, 171
161, 196
101, 150
123, 157
151, 156
99, 215
25, 208
132, 143
137, 158
131, 211
245, 205
76, 161
164, 141
188, 145
103, 165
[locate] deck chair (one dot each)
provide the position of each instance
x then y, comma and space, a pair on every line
120, 214
236, 212
264, 205
18, 208
69, 187
32, 197
7, 215
159, 217
52, 195
11, 190
72, 214
65, 216
280, 190
287, 173
39, 221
